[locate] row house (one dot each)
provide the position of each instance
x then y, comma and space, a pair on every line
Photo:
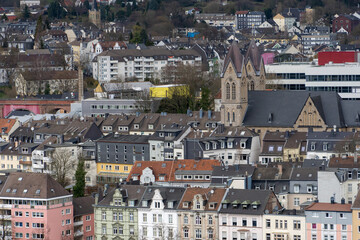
232, 145
182, 173
284, 225
329, 221
116, 212
294, 185
16, 157
236, 176
242, 212
157, 213
340, 180
149, 123
166, 143
84, 218
36, 206
283, 147
116, 154
325, 145
140, 64
198, 216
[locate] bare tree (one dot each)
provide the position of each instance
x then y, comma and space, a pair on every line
144, 102
5, 225
61, 163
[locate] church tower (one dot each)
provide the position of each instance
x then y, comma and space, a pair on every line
94, 15
234, 93
240, 75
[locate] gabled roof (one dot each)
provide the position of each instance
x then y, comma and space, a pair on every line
169, 194
235, 57
129, 192
32, 185
285, 107
329, 207
253, 55
210, 195
6, 125
83, 206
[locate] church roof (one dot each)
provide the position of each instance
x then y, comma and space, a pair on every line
282, 108
235, 57
253, 54
99, 89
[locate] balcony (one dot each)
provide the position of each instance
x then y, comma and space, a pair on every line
78, 233
26, 162
78, 223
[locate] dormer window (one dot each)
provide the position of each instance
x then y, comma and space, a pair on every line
243, 145
230, 144
131, 203
222, 144
136, 126
144, 203
207, 146
325, 147
161, 134
170, 204
185, 204
214, 145
211, 205
157, 204
150, 126
198, 205
312, 146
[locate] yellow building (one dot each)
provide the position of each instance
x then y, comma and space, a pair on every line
112, 172
167, 91
280, 21
13, 157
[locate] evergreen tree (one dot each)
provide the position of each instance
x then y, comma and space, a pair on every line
26, 12
79, 188
87, 4
4, 17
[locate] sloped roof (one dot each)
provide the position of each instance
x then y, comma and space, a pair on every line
32, 185
49, 75
253, 54
235, 57
330, 207
210, 195
285, 107
6, 125
83, 206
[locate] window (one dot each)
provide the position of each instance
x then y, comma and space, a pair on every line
342, 215
233, 91
210, 220
328, 215
349, 187
186, 219
234, 221
254, 222
131, 217
88, 228
198, 233
224, 221
297, 224
343, 227
244, 222
296, 201
18, 235
297, 237
103, 214
68, 221
170, 218
18, 224
198, 205
144, 217
38, 235
227, 91
160, 218
198, 220
210, 233
186, 233
313, 226
37, 225
296, 188
268, 223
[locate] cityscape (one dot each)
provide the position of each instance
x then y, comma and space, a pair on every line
180, 119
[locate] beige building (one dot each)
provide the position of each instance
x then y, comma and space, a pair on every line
286, 225
198, 213
95, 17
46, 82
280, 21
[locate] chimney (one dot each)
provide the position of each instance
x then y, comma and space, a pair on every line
81, 83
280, 167
342, 200
96, 198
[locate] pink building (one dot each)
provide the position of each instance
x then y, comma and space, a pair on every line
332, 221
40, 207
84, 218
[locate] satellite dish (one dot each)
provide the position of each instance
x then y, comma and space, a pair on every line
32, 128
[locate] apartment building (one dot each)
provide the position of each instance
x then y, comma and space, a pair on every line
329, 221
39, 207
246, 19
140, 64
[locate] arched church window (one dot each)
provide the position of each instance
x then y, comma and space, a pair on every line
252, 86
233, 91
228, 117
233, 116
228, 91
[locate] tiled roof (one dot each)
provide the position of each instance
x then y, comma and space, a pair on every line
6, 125
168, 168
83, 205
333, 207
32, 185
348, 162
210, 195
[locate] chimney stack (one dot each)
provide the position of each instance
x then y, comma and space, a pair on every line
81, 83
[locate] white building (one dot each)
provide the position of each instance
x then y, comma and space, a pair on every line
157, 215
139, 64
30, 3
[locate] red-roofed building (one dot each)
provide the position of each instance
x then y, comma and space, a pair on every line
186, 172
8, 126
329, 220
